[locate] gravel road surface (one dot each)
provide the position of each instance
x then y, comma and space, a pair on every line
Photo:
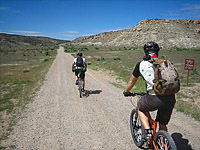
58, 119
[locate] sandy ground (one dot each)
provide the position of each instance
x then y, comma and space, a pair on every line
58, 119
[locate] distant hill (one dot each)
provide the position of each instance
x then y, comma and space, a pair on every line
9, 41
167, 33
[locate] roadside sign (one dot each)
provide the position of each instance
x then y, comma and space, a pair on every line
189, 64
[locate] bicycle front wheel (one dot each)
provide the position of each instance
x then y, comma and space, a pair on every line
137, 128
163, 141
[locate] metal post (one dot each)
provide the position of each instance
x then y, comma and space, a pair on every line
188, 77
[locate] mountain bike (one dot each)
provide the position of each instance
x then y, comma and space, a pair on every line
161, 140
80, 84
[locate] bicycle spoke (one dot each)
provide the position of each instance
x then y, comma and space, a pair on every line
80, 88
163, 143
139, 135
136, 128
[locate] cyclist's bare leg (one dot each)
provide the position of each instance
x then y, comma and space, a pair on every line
162, 127
144, 119
76, 77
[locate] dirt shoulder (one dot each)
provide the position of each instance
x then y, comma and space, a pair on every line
59, 119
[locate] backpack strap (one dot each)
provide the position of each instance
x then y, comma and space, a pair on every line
157, 81
151, 92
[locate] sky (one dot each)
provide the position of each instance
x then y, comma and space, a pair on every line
70, 19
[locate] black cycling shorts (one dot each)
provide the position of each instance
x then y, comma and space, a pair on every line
82, 75
164, 105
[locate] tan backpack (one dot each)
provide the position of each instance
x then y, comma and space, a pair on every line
166, 80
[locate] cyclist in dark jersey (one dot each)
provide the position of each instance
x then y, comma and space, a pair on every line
151, 101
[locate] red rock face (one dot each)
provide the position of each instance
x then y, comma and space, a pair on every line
197, 21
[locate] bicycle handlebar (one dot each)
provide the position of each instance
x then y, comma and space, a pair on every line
133, 94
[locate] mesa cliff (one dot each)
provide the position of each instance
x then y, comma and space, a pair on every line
166, 32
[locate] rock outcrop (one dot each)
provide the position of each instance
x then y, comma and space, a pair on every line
167, 33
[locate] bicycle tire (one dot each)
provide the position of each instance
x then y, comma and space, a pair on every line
137, 129
162, 139
80, 88
80, 93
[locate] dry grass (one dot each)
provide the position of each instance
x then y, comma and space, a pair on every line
21, 74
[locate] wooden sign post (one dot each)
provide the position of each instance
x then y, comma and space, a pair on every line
189, 65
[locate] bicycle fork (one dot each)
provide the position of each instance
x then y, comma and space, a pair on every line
153, 125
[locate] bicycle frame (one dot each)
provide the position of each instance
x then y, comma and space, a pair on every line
153, 124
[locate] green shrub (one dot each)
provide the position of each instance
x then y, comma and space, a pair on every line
47, 53
194, 72
196, 50
84, 49
101, 59
26, 70
66, 51
116, 58
181, 49
46, 59
162, 56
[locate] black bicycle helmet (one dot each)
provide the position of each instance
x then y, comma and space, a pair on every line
151, 47
80, 54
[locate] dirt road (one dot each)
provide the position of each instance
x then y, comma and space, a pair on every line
59, 120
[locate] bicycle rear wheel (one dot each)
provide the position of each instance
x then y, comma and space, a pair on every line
80, 88
137, 129
164, 141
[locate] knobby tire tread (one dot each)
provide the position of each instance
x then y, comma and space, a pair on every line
166, 135
134, 117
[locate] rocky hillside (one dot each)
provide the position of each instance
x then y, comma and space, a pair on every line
167, 33
9, 41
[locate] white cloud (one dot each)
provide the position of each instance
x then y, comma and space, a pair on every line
188, 11
68, 35
191, 11
72, 32
75, 34
3, 8
116, 29
69, 32
192, 7
24, 32
10, 10
108, 30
